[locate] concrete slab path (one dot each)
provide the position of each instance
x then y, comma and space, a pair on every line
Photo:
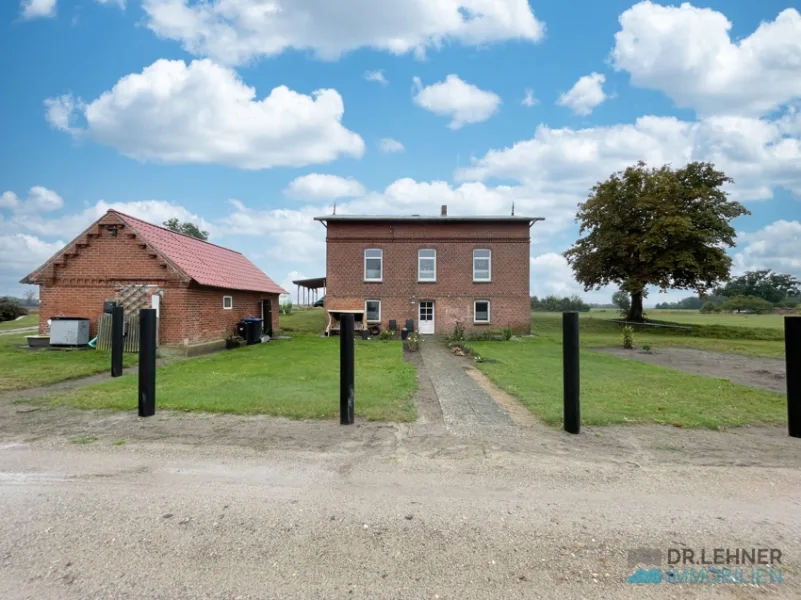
466, 407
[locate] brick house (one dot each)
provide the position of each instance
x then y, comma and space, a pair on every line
201, 290
436, 271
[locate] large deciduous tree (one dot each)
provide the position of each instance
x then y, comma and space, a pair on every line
663, 227
186, 228
765, 284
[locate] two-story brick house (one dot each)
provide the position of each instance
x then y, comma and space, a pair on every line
434, 270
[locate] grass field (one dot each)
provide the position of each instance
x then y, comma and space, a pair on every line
297, 378
26, 321
694, 317
21, 368
309, 320
616, 390
717, 338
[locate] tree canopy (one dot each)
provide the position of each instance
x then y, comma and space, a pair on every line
622, 300
186, 228
765, 284
663, 227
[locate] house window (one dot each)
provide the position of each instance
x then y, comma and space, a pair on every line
228, 302
373, 310
482, 265
481, 311
426, 265
373, 264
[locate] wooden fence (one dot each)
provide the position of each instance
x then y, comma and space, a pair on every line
130, 341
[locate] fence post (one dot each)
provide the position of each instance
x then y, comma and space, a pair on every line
346, 369
117, 342
570, 371
147, 362
792, 354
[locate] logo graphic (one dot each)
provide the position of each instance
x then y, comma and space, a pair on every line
641, 576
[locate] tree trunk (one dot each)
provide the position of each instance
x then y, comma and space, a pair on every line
635, 311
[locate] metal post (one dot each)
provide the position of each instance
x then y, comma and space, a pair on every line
792, 354
117, 342
147, 362
570, 364
346, 369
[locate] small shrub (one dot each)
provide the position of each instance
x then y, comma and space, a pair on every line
709, 307
386, 335
412, 343
11, 309
647, 348
628, 337
458, 333
286, 308
507, 333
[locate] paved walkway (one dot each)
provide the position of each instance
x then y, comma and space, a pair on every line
466, 407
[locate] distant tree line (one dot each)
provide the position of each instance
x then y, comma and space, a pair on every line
556, 304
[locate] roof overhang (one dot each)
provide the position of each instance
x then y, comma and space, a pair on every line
426, 219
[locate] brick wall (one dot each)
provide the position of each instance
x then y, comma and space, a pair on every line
93, 272
454, 291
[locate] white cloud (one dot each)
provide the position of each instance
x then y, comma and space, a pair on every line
119, 3
687, 53
585, 95
36, 9
377, 76
239, 31
776, 246
529, 99
389, 145
463, 102
756, 153
39, 200
317, 186
204, 113
21, 253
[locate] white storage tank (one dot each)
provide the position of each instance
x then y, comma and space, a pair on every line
69, 331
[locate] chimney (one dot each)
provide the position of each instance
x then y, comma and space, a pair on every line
444, 211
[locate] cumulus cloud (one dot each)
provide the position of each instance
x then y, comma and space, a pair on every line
463, 102
239, 31
377, 76
757, 153
529, 99
39, 200
776, 246
688, 53
119, 3
317, 186
172, 112
37, 9
389, 145
585, 95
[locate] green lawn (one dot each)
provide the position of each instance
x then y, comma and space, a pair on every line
26, 321
21, 368
297, 378
616, 390
694, 317
595, 332
307, 320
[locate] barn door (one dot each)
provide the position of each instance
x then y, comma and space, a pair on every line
267, 317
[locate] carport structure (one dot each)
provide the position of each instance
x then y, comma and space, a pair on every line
308, 290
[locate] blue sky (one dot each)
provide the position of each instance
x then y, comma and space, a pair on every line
253, 116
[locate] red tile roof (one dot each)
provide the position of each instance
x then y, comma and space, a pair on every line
206, 263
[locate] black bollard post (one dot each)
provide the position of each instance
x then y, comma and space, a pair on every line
346, 370
147, 362
117, 343
792, 354
570, 366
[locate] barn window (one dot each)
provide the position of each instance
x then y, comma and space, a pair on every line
373, 310
481, 311
228, 302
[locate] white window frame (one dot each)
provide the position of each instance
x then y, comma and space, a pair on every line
381, 258
434, 258
489, 312
230, 302
489, 264
366, 318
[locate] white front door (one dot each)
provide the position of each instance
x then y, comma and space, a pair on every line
425, 324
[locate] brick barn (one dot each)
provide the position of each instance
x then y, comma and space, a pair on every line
434, 270
200, 289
